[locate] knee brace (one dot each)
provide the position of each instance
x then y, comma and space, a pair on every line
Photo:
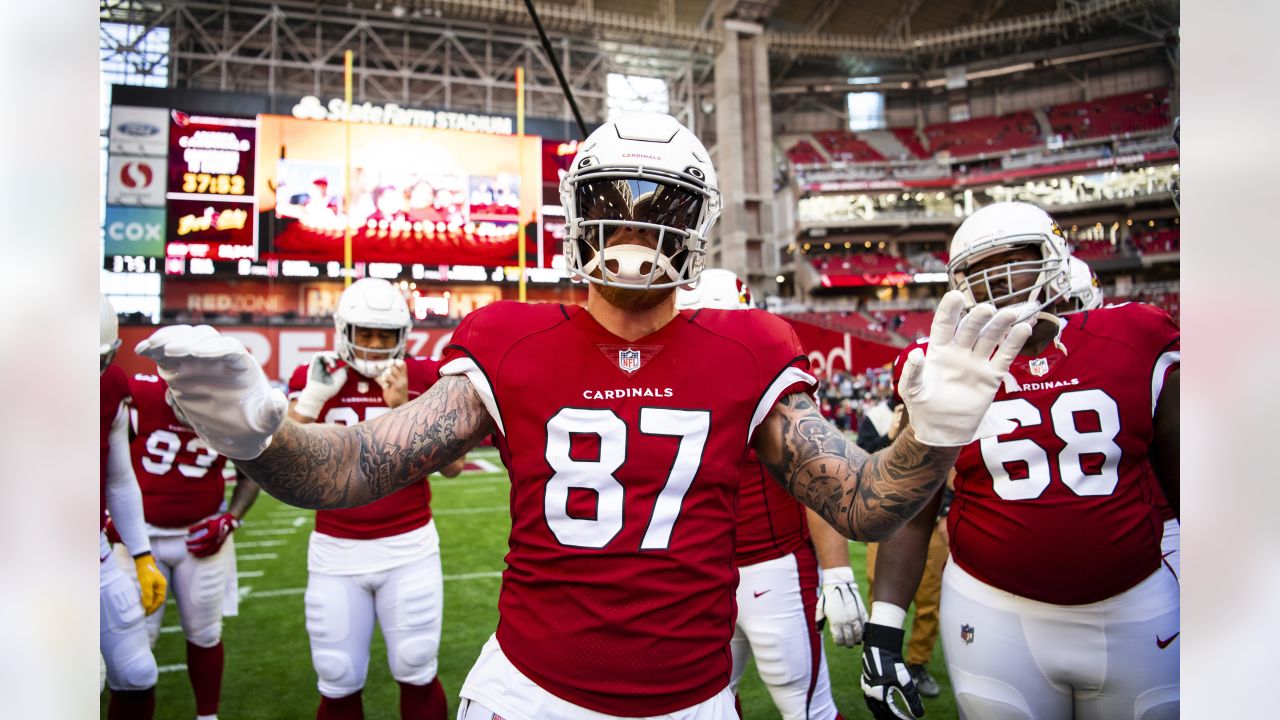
414, 660
132, 668
336, 672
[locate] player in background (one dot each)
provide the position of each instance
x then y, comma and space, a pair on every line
623, 425
122, 637
1086, 294
1055, 603
182, 495
780, 546
381, 561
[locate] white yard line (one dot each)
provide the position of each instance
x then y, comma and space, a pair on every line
250, 574
176, 667
260, 544
270, 531
257, 556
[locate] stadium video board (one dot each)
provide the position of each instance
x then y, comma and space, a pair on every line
417, 195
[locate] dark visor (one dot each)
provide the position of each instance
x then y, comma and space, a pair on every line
640, 201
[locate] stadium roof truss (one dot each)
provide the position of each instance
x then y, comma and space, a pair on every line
462, 54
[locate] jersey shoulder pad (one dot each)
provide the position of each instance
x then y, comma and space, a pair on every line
769, 337
487, 333
1142, 326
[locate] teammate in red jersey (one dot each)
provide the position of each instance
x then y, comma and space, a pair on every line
122, 638
381, 561
778, 567
182, 495
1056, 602
623, 426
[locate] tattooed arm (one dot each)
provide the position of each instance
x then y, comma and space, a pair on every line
327, 466
865, 497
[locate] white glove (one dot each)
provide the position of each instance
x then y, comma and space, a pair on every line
221, 389
325, 377
949, 389
841, 605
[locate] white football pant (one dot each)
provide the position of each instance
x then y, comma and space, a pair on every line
122, 638
197, 585
407, 602
777, 600
1011, 658
1169, 546
497, 689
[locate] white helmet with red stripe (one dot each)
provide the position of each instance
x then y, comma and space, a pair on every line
108, 333
716, 288
646, 176
371, 303
1029, 286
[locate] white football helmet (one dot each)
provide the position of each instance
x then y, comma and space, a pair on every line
716, 288
1000, 227
649, 173
108, 333
371, 303
1086, 293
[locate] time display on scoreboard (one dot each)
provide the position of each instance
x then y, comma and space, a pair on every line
214, 184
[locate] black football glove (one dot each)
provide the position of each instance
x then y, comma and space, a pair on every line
884, 675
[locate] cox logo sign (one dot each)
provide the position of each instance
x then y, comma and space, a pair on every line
134, 231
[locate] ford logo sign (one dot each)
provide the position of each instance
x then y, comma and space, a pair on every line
137, 129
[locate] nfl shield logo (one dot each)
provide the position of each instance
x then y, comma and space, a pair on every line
1039, 367
629, 360
362, 386
966, 633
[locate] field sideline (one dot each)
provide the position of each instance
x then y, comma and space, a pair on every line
268, 666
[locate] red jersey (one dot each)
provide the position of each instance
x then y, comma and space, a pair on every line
1066, 509
624, 460
771, 523
360, 399
113, 389
180, 476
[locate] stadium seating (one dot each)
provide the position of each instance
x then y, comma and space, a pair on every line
1092, 249
852, 322
915, 323
844, 146
1156, 242
869, 263
909, 139
1167, 300
1115, 115
981, 136
803, 153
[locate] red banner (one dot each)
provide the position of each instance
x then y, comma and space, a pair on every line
830, 351
855, 280
280, 350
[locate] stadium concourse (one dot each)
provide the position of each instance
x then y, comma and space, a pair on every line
348, 189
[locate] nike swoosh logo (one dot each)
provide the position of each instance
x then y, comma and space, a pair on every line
1162, 644
1168, 554
761, 592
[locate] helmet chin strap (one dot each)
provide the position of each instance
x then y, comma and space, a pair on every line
630, 259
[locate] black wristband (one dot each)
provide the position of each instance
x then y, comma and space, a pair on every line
883, 636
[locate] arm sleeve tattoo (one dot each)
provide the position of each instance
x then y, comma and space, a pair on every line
865, 497
326, 466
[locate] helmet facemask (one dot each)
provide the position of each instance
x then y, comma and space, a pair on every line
106, 354
375, 361
1050, 281
652, 219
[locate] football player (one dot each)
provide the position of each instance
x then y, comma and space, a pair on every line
381, 561
623, 425
122, 637
780, 546
182, 496
1056, 602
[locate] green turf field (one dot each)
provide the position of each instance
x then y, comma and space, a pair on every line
268, 665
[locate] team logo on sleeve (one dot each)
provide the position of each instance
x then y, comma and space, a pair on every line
966, 634
629, 360
1039, 367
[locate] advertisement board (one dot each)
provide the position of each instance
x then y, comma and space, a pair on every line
278, 349
140, 131
210, 199
417, 194
136, 180
134, 231
830, 351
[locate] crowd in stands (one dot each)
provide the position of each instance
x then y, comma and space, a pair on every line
861, 263
1115, 115
845, 397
